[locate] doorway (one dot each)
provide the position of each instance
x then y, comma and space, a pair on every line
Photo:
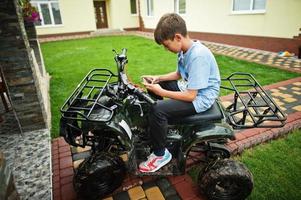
100, 14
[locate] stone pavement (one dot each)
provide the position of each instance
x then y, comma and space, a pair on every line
287, 94
28, 157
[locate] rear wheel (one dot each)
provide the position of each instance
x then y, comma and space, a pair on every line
99, 175
226, 180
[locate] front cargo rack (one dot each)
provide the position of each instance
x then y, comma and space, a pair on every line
84, 104
251, 106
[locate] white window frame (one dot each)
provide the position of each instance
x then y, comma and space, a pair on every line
250, 11
38, 3
148, 8
177, 7
134, 14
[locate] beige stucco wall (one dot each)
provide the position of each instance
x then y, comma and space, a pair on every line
77, 16
120, 15
281, 19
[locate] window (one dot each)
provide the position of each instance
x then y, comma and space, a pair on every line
49, 12
133, 7
248, 6
150, 7
180, 6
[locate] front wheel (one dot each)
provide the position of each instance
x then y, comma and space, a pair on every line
226, 180
99, 175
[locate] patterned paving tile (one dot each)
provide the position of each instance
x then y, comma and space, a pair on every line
29, 158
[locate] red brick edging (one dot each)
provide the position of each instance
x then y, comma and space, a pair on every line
62, 168
251, 137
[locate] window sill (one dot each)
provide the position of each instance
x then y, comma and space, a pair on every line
182, 14
248, 12
50, 26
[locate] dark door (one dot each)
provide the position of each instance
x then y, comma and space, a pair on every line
100, 14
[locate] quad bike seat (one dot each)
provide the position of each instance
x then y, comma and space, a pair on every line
212, 114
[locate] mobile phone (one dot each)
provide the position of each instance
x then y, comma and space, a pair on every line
147, 80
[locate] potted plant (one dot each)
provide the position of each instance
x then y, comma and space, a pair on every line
30, 13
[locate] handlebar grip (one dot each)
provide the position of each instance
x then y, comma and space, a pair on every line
144, 96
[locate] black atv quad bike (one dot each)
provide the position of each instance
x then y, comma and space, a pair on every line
109, 114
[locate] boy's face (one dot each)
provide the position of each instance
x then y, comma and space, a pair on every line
174, 45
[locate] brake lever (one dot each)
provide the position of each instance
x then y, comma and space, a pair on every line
141, 110
136, 102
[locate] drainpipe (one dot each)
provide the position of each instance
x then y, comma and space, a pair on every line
141, 23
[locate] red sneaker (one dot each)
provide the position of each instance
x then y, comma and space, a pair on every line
154, 163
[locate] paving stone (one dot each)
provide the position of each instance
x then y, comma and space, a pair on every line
68, 192
168, 192
186, 191
296, 88
108, 198
163, 184
154, 193
148, 185
297, 83
289, 100
121, 196
136, 193
298, 108
274, 90
173, 197
65, 162
286, 95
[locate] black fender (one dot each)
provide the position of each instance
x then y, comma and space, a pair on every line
212, 132
121, 127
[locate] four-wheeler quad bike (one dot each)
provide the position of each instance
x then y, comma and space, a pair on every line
109, 114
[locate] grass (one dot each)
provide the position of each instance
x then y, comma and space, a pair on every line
276, 168
68, 61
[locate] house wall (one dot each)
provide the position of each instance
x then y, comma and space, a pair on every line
120, 15
278, 29
282, 17
77, 16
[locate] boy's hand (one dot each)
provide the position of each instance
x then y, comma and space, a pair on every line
150, 79
155, 88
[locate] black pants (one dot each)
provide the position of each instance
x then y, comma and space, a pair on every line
164, 110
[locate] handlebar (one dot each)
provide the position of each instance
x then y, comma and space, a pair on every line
141, 94
121, 60
144, 96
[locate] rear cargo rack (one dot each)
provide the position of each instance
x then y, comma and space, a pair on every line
84, 102
252, 106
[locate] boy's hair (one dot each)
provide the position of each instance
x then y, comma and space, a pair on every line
168, 25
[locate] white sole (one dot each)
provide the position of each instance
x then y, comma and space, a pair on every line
164, 163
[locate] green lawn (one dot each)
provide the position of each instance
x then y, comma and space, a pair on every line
276, 168
68, 61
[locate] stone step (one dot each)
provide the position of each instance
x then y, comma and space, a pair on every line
105, 31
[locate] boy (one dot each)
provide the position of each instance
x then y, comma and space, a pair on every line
195, 93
